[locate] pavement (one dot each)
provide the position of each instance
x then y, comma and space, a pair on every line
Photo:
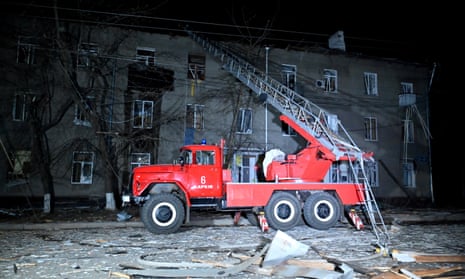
92, 217
85, 243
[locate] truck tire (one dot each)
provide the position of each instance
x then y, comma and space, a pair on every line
283, 211
321, 211
163, 214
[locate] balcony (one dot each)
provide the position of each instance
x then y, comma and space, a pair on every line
407, 99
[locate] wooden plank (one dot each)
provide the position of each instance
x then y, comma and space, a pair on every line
436, 271
321, 264
439, 258
391, 274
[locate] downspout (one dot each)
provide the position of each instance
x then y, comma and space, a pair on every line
429, 138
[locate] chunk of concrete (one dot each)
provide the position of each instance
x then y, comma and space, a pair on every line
282, 248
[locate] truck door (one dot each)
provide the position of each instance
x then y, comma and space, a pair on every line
205, 175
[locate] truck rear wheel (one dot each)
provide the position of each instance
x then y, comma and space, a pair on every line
283, 211
163, 214
321, 211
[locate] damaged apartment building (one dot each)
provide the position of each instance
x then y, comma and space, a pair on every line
82, 105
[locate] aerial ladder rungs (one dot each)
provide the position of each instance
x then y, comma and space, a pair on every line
310, 117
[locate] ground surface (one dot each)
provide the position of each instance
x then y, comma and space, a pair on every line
89, 243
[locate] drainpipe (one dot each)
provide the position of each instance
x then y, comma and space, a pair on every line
429, 138
267, 49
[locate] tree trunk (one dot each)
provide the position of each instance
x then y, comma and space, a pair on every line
40, 159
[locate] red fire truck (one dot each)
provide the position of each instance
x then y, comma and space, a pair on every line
294, 188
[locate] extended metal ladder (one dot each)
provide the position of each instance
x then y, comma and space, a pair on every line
311, 118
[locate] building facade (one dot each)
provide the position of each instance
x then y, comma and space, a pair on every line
87, 104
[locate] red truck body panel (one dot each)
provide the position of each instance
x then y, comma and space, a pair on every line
258, 194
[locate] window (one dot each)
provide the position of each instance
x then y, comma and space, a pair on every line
143, 114
408, 169
371, 171
186, 157
246, 168
196, 66
287, 130
139, 159
22, 105
244, 121
83, 164
371, 129
204, 157
289, 74
408, 131
146, 55
80, 116
194, 116
86, 52
330, 80
26, 51
406, 88
371, 83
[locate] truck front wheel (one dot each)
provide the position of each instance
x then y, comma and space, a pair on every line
163, 214
283, 211
321, 211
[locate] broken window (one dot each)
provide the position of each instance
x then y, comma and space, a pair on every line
408, 169
86, 54
146, 55
143, 114
371, 170
289, 75
196, 66
21, 160
371, 129
244, 121
22, 105
26, 50
287, 130
406, 88
80, 116
83, 164
330, 80
371, 83
139, 159
194, 116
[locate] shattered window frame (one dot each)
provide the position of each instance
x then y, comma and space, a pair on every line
82, 167
371, 128
26, 50
371, 83
195, 116
22, 104
86, 53
244, 121
146, 55
142, 112
139, 159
